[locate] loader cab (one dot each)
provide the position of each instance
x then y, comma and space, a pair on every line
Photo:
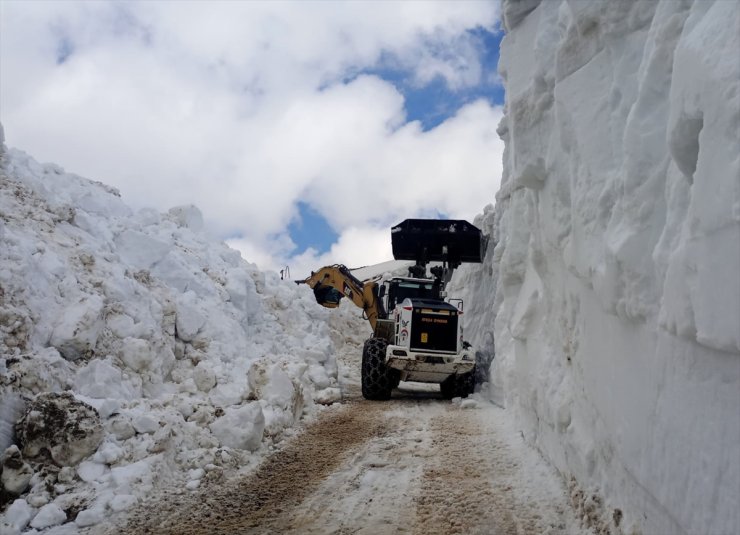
401, 288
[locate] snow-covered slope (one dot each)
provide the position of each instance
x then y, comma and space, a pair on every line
195, 361
617, 268
395, 267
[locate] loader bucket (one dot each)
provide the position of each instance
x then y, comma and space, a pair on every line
437, 240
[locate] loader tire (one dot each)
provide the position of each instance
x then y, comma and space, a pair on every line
466, 384
458, 386
482, 368
377, 379
447, 387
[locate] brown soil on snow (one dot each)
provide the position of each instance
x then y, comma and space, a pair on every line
415, 465
457, 497
258, 503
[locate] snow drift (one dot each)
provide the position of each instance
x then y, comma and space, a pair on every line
617, 264
167, 357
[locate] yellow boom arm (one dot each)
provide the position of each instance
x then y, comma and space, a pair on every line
331, 283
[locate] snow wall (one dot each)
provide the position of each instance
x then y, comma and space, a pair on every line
616, 264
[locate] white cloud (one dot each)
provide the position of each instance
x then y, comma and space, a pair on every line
242, 108
356, 247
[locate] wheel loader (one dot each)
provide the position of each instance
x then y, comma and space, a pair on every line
417, 332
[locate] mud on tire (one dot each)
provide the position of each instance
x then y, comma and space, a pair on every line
377, 379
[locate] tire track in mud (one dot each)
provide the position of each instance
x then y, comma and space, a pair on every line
456, 497
371, 492
261, 503
414, 465
474, 484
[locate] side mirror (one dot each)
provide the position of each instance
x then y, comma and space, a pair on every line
458, 303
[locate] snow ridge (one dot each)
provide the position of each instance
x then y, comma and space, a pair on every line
193, 360
616, 273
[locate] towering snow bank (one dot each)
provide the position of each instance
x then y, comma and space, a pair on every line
617, 313
192, 359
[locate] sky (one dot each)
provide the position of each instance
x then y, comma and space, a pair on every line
302, 130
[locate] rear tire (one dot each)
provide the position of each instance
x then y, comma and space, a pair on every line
377, 379
482, 367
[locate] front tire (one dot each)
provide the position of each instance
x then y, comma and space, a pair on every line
377, 378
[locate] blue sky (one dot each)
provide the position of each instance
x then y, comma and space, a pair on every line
311, 229
431, 104
357, 114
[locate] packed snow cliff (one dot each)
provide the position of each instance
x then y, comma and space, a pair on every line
135, 351
617, 258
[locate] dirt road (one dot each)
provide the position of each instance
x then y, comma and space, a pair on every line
415, 465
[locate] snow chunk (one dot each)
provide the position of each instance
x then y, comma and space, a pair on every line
145, 424
204, 376
240, 427
103, 204
125, 476
108, 453
90, 517
196, 473
49, 515
189, 318
319, 376
101, 379
78, 327
468, 404
188, 216
328, 396
137, 354
17, 515
515, 11
122, 428
140, 250
90, 471
279, 390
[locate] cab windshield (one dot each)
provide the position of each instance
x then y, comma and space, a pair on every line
400, 290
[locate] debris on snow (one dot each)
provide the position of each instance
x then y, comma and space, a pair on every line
15, 473
68, 429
